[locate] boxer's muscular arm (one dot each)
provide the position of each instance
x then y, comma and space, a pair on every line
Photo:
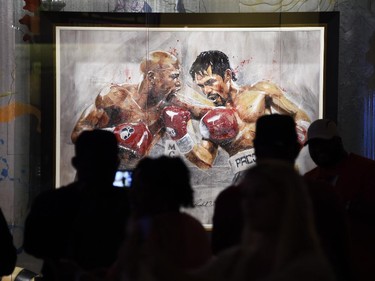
277, 100
250, 104
197, 109
177, 121
285, 106
203, 154
95, 116
280, 102
90, 119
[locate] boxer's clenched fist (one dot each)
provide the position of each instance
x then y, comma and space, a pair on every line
176, 121
134, 137
219, 125
301, 129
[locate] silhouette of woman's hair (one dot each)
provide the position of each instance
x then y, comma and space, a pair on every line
162, 183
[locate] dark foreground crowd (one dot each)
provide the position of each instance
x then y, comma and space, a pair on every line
271, 225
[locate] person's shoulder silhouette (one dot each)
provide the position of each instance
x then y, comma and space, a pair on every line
161, 185
84, 221
8, 253
276, 138
161, 229
352, 179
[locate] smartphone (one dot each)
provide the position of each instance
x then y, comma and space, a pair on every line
123, 178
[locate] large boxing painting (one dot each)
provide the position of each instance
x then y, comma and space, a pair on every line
188, 91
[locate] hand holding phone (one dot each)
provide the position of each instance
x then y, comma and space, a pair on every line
123, 178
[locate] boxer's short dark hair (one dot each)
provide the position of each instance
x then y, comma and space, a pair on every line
218, 61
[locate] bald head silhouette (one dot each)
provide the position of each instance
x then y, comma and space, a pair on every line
276, 138
96, 156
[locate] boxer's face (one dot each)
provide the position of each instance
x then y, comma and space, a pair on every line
215, 87
168, 81
165, 82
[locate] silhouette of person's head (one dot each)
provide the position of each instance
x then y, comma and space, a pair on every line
325, 144
96, 156
160, 185
276, 138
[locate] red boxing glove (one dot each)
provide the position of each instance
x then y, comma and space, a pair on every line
219, 125
176, 121
134, 137
301, 129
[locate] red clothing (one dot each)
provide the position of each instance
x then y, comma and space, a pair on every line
353, 181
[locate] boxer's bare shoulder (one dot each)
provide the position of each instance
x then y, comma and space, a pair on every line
269, 88
114, 94
250, 103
